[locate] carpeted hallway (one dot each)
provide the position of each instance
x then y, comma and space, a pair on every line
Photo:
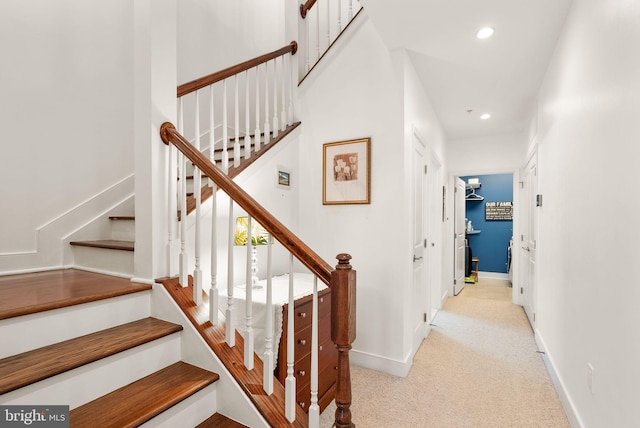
478, 368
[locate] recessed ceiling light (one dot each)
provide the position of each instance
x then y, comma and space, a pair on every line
485, 33
485, 116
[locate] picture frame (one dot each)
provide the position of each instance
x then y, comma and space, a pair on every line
346, 172
283, 177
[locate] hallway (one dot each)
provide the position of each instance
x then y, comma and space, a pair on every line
478, 368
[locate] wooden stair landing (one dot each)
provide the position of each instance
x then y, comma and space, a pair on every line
33, 366
42, 291
144, 399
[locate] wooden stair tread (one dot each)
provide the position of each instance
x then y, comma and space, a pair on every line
30, 293
109, 244
220, 421
144, 399
32, 366
122, 217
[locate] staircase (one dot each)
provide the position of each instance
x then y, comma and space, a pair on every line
88, 341
112, 250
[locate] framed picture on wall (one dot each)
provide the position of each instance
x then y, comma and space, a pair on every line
346, 172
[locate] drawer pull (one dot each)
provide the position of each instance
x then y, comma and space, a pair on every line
321, 347
302, 404
302, 372
302, 341
302, 314
322, 300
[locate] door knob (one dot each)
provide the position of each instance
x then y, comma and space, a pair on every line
416, 258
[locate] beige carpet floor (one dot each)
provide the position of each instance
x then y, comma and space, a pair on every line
477, 368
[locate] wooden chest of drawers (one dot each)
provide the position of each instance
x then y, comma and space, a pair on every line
327, 352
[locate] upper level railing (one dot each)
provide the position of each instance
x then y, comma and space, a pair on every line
252, 83
322, 23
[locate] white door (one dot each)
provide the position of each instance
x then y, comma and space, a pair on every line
420, 295
435, 220
459, 235
528, 239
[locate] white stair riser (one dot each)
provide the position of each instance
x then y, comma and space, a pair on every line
123, 230
104, 260
86, 383
46, 328
189, 412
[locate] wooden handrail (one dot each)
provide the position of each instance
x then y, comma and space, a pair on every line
304, 8
290, 241
210, 79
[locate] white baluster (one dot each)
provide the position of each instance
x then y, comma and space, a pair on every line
307, 66
291, 74
328, 23
248, 335
339, 16
290, 381
275, 98
268, 362
257, 137
184, 256
283, 113
247, 109
230, 332
212, 129
172, 206
214, 292
236, 143
318, 33
314, 409
225, 130
267, 119
197, 191
350, 14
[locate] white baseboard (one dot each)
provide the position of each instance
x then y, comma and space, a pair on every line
493, 275
565, 399
380, 363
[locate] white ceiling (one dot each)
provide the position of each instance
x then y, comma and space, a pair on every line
500, 75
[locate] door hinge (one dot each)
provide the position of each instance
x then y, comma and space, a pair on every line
455, 282
426, 169
521, 237
534, 317
425, 317
425, 242
521, 290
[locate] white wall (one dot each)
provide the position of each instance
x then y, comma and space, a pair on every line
420, 118
588, 133
213, 35
66, 111
358, 92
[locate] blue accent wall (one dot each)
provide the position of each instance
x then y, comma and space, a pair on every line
492, 243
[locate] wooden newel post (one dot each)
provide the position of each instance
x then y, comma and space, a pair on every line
343, 333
